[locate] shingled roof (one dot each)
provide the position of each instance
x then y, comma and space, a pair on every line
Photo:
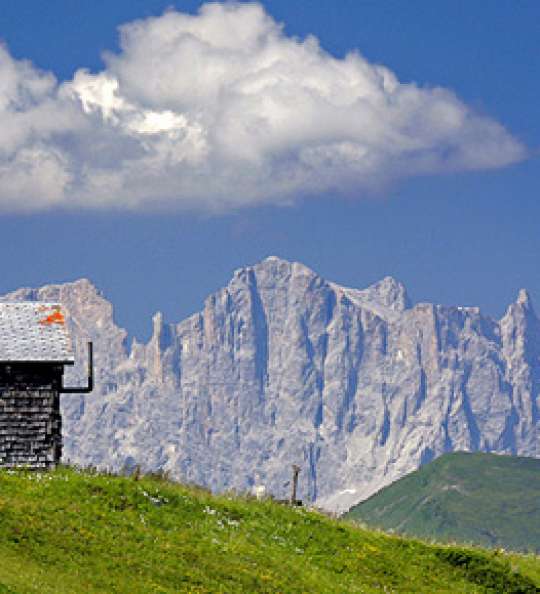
34, 331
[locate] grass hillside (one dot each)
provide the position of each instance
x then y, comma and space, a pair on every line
478, 498
70, 532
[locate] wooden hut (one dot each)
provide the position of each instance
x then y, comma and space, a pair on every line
35, 346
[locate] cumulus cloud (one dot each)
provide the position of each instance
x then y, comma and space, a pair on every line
221, 110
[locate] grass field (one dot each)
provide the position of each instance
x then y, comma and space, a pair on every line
476, 498
69, 532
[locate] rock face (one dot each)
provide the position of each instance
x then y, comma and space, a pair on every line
358, 387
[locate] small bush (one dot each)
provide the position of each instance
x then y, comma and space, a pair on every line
491, 573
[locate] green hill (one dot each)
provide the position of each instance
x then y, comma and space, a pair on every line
70, 532
478, 498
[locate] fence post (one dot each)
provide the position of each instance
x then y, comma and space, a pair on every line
296, 470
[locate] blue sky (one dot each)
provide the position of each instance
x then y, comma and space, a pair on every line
458, 224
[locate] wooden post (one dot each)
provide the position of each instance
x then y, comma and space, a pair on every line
296, 470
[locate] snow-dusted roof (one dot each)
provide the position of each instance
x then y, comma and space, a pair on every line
34, 331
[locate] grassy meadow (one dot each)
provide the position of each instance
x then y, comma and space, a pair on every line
70, 531
485, 499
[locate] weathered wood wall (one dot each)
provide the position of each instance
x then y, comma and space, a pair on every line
30, 428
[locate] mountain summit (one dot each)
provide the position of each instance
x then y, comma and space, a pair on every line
357, 386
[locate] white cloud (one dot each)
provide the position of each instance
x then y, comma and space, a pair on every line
222, 110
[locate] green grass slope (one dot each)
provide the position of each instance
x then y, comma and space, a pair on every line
70, 532
478, 498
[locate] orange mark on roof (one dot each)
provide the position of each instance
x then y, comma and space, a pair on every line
55, 318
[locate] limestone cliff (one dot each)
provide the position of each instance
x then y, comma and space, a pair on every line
357, 386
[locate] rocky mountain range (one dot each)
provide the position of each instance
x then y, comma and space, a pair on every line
358, 387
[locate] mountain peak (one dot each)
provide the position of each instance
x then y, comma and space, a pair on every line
275, 259
54, 292
390, 292
275, 268
275, 262
524, 298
